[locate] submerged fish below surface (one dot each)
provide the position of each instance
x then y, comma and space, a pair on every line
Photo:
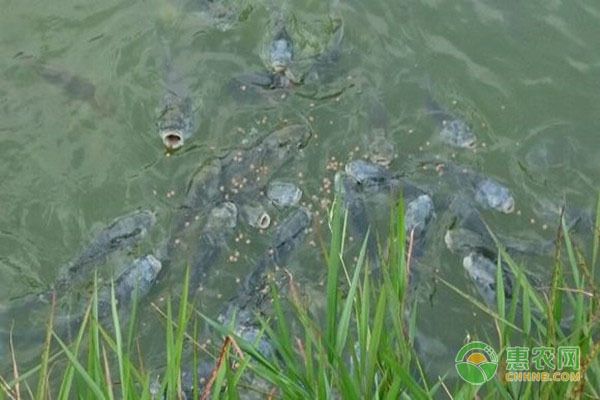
238, 175
482, 271
418, 214
281, 51
133, 283
122, 234
217, 232
381, 149
368, 174
283, 194
359, 222
244, 171
494, 195
254, 297
486, 191
175, 121
452, 130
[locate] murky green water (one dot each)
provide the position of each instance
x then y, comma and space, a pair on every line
526, 75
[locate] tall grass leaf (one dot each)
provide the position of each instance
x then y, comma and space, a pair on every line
94, 335
118, 339
220, 378
412, 323
181, 328
520, 275
170, 380
333, 266
596, 240
43, 376
364, 306
571, 254
67, 381
500, 300
283, 333
526, 308
415, 390
373, 348
73, 362
344, 322
556, 298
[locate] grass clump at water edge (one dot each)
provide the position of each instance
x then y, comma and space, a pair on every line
359, 346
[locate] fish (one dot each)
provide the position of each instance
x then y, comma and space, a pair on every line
283, 194
453, 130
176, 121
120, 235
482, 271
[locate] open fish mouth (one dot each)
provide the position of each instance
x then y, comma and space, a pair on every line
172, 139
279, 67
508, 206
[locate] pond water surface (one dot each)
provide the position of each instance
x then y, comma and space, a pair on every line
525, 75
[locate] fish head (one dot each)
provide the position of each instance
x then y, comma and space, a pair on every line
496, 196
281, 53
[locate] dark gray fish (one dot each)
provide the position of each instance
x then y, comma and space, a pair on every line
240, 313
217, 232
482, 271
132, 284
577, 220
359, 222
254, 297
370, 177
487, 192
381, 149
283, 194
284, 71
122, 234
237, 175
325, 68
246, 170
281, 51
368, 174
176, 121
452, 130
469, 232
418, 216
494, 195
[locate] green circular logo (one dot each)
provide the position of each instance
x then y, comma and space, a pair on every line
476, 362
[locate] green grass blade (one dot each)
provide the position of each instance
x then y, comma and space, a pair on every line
596, 240
344, 321
119, 340
333, 268
73, 362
